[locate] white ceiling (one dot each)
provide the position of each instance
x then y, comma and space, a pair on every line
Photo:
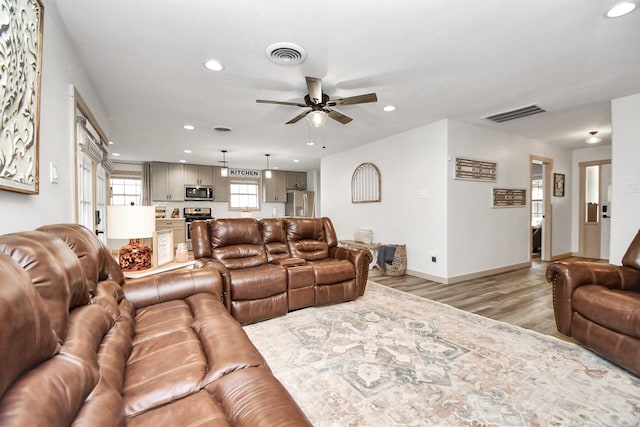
432, 59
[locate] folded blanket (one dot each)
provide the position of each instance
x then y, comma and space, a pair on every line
385, 255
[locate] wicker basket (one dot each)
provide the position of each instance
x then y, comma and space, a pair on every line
398, 266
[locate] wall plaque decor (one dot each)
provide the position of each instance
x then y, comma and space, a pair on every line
475, 170
558, 185
508, 197
20, 62
365, 184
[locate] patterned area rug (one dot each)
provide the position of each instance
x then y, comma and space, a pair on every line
395, 359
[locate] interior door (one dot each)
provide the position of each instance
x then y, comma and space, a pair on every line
595, 179
605, 217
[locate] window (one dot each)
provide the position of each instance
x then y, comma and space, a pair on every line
537, 202
126, 189
244, 195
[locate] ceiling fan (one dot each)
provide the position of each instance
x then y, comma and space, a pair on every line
319, 103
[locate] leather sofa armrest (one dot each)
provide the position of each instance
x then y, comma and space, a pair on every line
204, 263
567, 277
360, 258
288, 262
172, 285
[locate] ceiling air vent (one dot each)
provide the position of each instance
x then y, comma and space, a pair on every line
516, 114
286, 54
222, 128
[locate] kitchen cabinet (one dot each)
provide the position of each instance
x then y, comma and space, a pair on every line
178, 227
198, 175
275, 188
220, 185
167, 182
296, 180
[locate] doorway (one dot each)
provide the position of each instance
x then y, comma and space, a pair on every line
540, 191
594, 206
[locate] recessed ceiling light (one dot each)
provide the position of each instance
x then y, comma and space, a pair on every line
183, 161
213, 65
389, 108
115, 154
187, 151
311, 143
189, 127
110, 142
621, 9
296, 161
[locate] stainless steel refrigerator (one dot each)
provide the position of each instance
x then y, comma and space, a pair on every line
300, 203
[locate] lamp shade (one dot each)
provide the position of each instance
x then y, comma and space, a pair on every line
130, 222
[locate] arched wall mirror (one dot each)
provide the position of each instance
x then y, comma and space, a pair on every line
365, 184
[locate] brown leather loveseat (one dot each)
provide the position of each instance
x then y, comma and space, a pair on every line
598, 305
80, 345
276, 265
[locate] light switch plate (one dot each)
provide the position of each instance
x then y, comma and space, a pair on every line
53, 173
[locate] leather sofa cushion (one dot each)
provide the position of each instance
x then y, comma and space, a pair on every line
234, 231
27, 338
54, 270
611, 308
258, 282
240, 256
310, 250
199, 409
304, 228
273, 230
331, 270
631, 257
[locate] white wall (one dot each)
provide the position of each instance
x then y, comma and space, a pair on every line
483, 238
625, 222
60, 69
409, 163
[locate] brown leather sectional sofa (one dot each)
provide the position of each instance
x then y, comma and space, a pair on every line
80, 345
272, 266
598, 305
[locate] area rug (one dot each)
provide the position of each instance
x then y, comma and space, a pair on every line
395, 359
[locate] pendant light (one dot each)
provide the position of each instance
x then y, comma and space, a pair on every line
225, 170
267, 173
593, 138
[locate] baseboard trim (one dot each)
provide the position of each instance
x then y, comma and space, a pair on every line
470, 276
561, 256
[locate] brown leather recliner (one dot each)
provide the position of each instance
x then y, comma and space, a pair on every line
257, 290
598, 305
311, 239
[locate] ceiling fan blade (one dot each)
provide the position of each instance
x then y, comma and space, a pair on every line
358, 99
294, 104
299, 117
314, 85
335, 115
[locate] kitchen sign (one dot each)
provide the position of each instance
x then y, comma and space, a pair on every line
244, 173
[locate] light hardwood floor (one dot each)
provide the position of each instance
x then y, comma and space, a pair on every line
522, 297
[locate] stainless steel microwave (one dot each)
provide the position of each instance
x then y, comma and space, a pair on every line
198, 192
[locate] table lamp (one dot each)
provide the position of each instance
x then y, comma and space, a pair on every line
134, 223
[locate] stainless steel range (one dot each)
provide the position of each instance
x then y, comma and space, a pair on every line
193, 214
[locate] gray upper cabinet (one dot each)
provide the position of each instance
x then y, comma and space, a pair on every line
198, 175
296, 180
275, 189
167, 182
221, 185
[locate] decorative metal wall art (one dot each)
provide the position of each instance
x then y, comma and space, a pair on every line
475, 170
365, 184
20, 62
508, 197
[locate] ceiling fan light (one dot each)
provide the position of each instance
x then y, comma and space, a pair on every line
316, 118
